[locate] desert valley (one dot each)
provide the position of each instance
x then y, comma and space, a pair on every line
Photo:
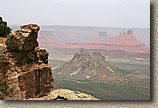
108, 63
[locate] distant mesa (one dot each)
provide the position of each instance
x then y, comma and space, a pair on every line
102, 38
127, 42
126, 39
46, 38
124, 42
45, 32
102, 34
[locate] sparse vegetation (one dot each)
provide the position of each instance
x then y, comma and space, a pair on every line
137, 87
5, 90
4, 29
105, 91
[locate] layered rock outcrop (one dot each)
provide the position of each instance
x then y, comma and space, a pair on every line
24, 65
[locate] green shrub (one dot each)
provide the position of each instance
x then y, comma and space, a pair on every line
4, 29
5, 90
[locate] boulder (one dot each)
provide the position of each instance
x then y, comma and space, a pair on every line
24, 39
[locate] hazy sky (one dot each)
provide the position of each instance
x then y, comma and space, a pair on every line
106, 13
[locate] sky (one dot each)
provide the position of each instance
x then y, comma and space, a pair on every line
101, 13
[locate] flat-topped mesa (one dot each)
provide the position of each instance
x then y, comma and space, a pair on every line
102, 34
24, 39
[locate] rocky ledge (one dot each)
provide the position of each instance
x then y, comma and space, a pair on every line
65, 94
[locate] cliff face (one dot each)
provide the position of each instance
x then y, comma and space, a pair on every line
24, 65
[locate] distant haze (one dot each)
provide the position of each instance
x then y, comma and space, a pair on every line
101, 13
82, 34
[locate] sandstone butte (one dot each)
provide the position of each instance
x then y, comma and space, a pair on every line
124, 42
25, 68
127, 42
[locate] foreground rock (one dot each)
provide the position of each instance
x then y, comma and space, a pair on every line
24, 65
24, 39
65, 94
2, 40
2, 44
2, 48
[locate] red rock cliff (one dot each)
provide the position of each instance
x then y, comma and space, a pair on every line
24, 65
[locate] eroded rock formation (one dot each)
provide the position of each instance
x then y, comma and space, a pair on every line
24, 65
24, 39
88, 65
